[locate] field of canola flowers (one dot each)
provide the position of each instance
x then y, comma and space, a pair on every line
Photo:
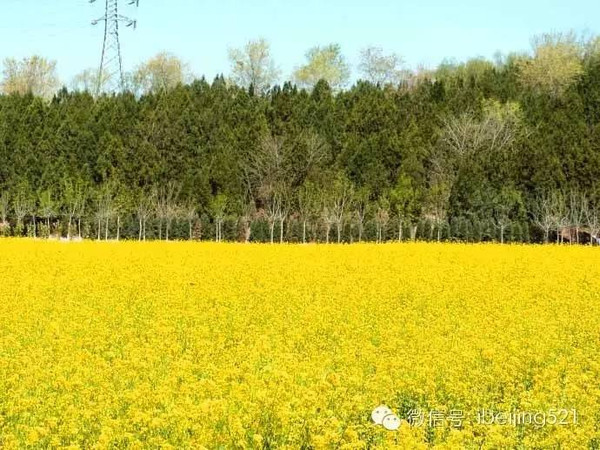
183, 345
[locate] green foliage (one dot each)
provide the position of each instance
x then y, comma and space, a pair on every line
462, 153
555, 65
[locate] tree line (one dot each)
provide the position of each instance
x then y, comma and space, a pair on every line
505, 150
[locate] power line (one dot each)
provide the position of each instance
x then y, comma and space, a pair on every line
110, 72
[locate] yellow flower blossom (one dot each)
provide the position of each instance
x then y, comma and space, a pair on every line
203, 345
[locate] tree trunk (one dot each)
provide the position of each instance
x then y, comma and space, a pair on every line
400, 231
281, 222
190, 230
439, 233
118, 227
247, 231
413, 232
69, 227
106, 230
271, 229
360, 232
339, 232
304, 231
140, 232
79, 227
218, 230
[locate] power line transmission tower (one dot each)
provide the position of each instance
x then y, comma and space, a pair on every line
110, 72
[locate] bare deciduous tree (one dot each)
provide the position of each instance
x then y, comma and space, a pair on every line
269, 173
4, 207
48, 207
494, 133
74, 202
308, 205
382, 69
23, 205
253, 66
341, 196
273, 210
161, 73
104, 209
218, 209
506, 205
166, 205
438, 198
88, 81
328, 219
314, 152
35, 74
592, 221
578, 204
543, 214
382, 217
145, 202
190, 213
560, 214
360, 205
247, 210
283, 193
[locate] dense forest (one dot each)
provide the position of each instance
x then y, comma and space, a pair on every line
505, 150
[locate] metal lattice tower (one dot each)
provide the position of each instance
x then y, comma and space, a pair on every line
110, 72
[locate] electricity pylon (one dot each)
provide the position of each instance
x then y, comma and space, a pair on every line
110, 72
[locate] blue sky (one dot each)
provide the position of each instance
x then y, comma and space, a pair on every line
200, 31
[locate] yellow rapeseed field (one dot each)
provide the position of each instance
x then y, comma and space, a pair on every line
192, 345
